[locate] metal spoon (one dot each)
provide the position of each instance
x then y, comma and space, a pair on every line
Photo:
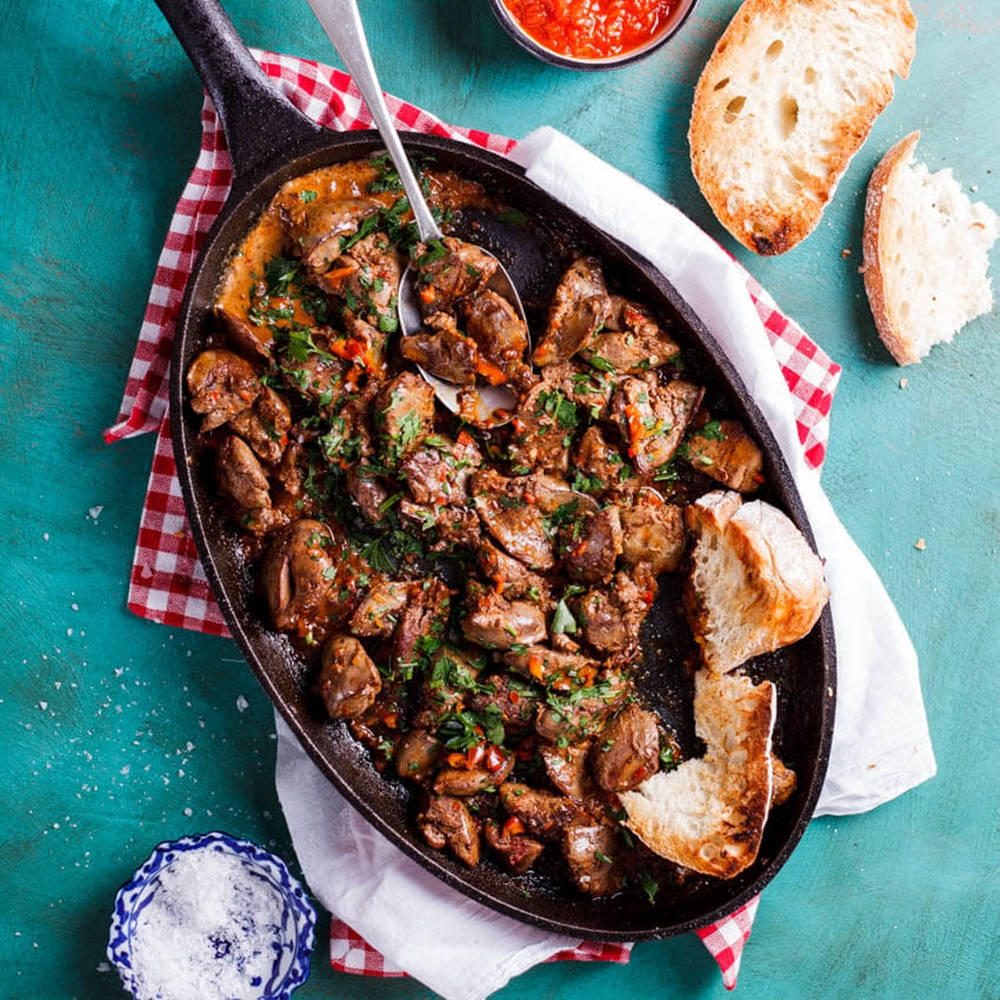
493, 405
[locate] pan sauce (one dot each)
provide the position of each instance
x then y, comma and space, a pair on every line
454, 588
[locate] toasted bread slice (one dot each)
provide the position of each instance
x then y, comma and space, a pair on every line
709, 813
788, 97
926, 251
755, 583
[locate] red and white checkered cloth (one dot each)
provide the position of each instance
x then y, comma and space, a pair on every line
168, 583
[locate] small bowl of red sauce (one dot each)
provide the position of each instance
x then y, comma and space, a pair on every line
591, 34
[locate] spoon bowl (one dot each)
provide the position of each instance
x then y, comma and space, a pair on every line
485, 406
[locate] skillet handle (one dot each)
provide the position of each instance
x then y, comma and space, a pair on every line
260, 124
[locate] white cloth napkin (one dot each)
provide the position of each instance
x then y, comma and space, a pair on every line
881, 745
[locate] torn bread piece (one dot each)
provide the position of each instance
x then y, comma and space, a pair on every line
755, 584
926, 251
788, 97
709, 813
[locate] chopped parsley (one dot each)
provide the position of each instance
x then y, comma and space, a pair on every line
563, 620
712, 431
649, 886
601, 364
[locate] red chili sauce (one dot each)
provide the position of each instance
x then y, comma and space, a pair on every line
592, 29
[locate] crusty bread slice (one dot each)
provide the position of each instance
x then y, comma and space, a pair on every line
787, 98
755, 583
926, 251
709, 813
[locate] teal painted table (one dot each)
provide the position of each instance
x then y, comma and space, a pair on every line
117, 733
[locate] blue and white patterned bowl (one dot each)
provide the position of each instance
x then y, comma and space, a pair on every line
294, 939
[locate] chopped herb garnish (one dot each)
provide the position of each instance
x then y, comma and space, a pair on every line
307, 196
563, 620
601, 364
712, 430
512, 217
649, 886
436, 250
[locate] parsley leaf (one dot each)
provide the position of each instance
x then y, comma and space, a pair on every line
563, 620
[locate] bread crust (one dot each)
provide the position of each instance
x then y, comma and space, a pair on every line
882, 179
733, 782
781, 591
759, 224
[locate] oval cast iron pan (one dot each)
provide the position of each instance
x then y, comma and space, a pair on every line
271, 142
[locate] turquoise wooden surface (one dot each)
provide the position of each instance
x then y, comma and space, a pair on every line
117, 733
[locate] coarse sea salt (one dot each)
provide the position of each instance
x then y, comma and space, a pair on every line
211, 931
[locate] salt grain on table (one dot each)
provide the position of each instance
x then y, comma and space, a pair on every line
209, 932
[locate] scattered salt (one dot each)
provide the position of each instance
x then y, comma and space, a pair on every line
95, 512
211, 931
242, 704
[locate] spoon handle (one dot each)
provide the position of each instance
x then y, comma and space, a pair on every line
342, 23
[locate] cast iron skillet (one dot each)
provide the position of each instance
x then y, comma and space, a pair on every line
270, 142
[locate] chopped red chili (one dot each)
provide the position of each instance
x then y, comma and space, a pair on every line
592, 29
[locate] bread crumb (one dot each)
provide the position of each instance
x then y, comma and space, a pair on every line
920, 544
903, 383
845, 253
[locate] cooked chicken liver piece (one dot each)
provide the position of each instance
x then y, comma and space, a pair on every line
631, 340
598, 461
517, 852
369, 493
318, 376
560, 670
451, 527
309, 577
579, 307
404, 413
544, 814
443, 350
568, 769
239, 475
499, 332
592, 546
496, 623
417, 755
221, 384
578, 716
445, 822
593, 855
627, 751
610, 618
519, 526
450, 681
265, 426
463, 782
425, 614
510, 577
653, 531
515, 701
348, 679
543, 419
379, 610
785, 782
316, 227
653, 418
729, 455
450, 270
366, 278
437, 472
